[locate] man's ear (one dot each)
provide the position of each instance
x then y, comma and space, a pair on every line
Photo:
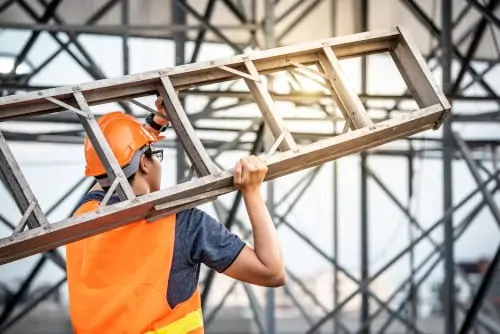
144, 164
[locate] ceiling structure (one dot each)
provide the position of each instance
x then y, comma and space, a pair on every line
461, 46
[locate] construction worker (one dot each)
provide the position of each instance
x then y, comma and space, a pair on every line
143, 277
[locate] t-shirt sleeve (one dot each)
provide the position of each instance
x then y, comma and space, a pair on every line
209, 241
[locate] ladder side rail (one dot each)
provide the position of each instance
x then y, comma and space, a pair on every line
195, 75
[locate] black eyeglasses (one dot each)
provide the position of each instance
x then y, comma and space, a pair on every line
158, 153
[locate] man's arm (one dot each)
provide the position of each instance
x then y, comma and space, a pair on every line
263, 264
210, 242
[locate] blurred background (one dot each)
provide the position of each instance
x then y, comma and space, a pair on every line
340, 224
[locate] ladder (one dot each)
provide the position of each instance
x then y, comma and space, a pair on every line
35, 234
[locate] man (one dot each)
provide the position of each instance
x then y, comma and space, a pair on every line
143, 277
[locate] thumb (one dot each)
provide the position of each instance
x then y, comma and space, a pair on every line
238, 171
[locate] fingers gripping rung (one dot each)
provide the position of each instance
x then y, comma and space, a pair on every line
266, 105
349, 102
113, 169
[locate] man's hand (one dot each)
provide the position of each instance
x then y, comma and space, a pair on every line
249, 173
161, 110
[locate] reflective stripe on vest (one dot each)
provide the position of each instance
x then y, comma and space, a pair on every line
186, 324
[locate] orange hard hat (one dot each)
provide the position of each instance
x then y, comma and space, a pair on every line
127, 138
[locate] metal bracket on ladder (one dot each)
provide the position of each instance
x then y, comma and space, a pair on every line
284, 157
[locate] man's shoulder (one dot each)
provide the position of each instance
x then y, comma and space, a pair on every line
191, 213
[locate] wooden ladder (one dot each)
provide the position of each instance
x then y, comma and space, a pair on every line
285, 156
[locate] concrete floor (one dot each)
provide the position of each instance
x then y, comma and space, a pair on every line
49, 318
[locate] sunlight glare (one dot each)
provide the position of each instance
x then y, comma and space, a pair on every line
7, 63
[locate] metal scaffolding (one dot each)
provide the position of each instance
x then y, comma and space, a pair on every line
463, 34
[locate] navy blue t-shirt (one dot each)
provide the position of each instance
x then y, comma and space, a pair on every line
199, 238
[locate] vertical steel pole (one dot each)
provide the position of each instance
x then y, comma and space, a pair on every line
269, 37
449, 277
481, 294
179, 18
125, 49
335, 213
364, 240
412, 292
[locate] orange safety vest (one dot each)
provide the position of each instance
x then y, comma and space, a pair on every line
118, 281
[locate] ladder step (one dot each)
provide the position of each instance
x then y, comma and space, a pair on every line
411, 66
200, 159
266, 105
96, 137
348, 101
32, 214
211, 183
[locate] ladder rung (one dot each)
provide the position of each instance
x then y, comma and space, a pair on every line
349, 103
184, 130
21, 191
266, 105
416, 73
96, 137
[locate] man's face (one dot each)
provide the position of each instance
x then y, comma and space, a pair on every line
155, 183
154, 175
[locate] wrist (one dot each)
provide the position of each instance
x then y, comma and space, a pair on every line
156, 122
251, 192
160, 120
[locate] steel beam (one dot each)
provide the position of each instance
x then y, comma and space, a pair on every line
473, 168
480, 296
487, 13
445, 37
446, 41
459, 231
403, 252
362, 25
